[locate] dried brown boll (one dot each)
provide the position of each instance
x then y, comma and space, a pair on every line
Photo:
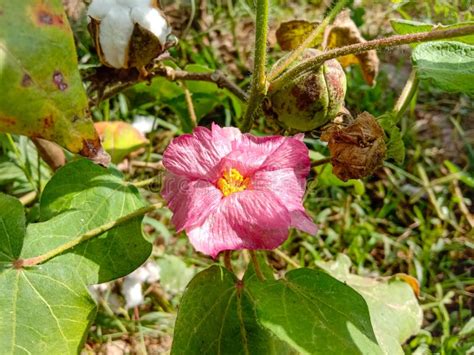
358, 149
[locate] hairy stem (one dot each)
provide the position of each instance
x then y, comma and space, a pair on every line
316, 33
217, 77
392, 41
85, 237
259, 79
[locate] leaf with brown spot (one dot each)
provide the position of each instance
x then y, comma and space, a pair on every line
120, 139
358, 149
290, 35
344, 32
42, 91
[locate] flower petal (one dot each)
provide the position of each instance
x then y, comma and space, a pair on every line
190, 200
197, 155
289, 189
243, 220
251, 154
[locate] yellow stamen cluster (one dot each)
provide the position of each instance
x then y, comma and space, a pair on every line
232, 181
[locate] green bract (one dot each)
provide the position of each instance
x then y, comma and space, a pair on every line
311, 99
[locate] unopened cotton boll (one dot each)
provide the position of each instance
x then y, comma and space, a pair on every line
128, 33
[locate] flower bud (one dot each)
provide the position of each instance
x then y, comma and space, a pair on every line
128, 33
311, 99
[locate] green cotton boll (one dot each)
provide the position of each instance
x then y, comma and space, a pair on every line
312, 99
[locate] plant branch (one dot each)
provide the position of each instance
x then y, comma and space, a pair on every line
217, 77
357, 48
259, 80
309, 41
20, 263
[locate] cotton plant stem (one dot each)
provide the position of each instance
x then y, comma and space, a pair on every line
259, 79
85, 237
256, 265
317, 32
228, 260
406, 96
357, 48
320, 162
217, 77
189, 103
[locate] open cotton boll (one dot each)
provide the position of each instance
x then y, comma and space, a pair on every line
98, 9
115, 32
135, 3
153, 21
129, 33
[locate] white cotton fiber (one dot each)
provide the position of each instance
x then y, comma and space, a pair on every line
117, 19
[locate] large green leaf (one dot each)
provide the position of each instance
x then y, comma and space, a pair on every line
448, 65
46, 308
394, 309
217, 316
314, 313
42, 92
402, 27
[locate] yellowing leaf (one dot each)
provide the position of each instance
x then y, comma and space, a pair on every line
344, 32
290, 35
119, 139
42, 91
411, 281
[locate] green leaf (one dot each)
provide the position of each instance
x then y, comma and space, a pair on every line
46, 308
448, 65
327, 178
395, 146
82, 196
314, 313
394, 309
217, 316
42, 92
403, 27
174, 273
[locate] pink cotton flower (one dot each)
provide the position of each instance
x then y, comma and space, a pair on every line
232, 191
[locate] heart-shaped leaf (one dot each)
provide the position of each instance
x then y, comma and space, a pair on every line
448, 65
217, 316
394, 309
46, 307
314, 313
402, 27
42, 92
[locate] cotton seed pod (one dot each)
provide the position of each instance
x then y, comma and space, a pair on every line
358, 149
311, 99
128, 33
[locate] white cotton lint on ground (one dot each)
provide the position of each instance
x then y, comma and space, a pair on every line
144, 124
153, 21
132, 284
